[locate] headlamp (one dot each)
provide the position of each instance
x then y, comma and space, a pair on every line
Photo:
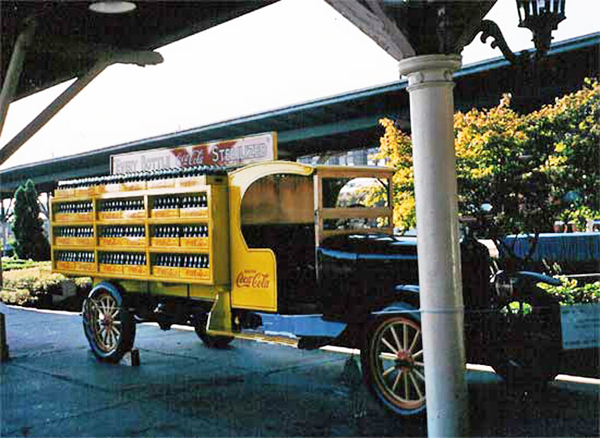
504, 285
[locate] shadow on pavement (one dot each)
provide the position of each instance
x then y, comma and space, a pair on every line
53, 386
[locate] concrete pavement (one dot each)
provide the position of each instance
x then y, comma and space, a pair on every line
53, 386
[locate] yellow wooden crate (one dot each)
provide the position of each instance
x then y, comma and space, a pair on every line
85, 267
64, 193
110, 215
136, 270
194, 242
112, 188
189, 182
165, 241
196, 212
165, 213
107, 241
65, 266
74, 217
166, 271
195, 273
132, 186
134, 214
161, 184
133, 241
84, 191
74, 241
84, 217
110, 269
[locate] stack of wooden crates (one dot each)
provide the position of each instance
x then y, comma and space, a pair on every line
170, 230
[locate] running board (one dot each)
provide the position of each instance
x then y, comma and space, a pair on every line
259, 337
303, 331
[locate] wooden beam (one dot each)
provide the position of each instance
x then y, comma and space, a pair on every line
13, 73
375, 23
68, 49
356, 213
51, 110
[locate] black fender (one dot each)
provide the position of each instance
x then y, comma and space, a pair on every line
113, 287
122, 298
525, 284
408, 294
400, 307
405, 300
376, 301
536, 277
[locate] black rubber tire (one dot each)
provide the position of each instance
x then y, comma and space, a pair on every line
210, 341
392, 363
108, 326
525, 348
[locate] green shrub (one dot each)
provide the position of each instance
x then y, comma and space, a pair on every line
18, 296
11, 263
8, 250
37, 279
27, 225
83, 282
579, 215
47, 284
569, 292
24, 283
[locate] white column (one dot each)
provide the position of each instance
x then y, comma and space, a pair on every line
431, 111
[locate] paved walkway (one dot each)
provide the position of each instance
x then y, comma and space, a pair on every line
52, 386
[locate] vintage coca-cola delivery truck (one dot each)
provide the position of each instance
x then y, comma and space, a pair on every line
282, 250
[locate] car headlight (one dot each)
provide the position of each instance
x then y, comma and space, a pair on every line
504, 285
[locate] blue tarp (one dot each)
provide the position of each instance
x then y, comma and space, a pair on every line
559, 247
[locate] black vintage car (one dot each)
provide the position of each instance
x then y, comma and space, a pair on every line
301, 253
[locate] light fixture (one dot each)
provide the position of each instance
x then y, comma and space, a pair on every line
112, 7
541, 17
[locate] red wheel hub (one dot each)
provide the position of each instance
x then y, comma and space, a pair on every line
404, 360
108, 322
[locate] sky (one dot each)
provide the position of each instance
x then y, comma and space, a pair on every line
290, 52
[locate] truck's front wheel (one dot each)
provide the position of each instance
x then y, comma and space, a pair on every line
392, 361
108, 325
525, 350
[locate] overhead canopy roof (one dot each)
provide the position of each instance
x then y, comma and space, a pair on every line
344, 122
69, 38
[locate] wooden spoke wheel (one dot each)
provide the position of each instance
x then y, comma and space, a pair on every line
393, 368
108, 325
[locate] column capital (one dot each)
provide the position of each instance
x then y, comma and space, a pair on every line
429, 70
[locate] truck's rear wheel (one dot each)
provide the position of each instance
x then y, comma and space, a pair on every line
109, 327
526, 347
392, 361
209, 340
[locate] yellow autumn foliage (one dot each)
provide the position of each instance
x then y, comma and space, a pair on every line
521, 164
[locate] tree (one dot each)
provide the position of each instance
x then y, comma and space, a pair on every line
31, 243
572, 126
523, 166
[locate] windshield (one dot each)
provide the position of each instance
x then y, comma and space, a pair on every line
354, 203
352, 192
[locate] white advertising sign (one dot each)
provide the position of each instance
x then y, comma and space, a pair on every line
580, 326
228, 153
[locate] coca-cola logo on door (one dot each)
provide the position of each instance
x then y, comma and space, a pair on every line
252, 278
